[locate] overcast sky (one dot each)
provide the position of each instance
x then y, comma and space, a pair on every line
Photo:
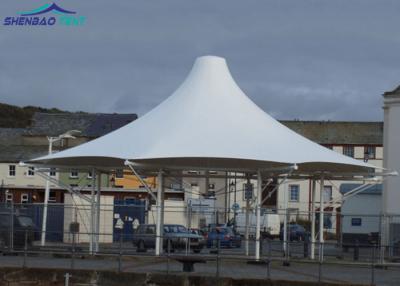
309, 60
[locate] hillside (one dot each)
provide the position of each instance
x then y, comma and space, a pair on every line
20, 117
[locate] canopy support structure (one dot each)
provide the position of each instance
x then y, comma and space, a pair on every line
313, 195
92, 212
160, 211
97, 236
321, 217
148, 189
258, 214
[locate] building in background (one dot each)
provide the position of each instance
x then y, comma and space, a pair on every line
22, 184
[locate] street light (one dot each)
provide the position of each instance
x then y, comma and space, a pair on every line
67, 135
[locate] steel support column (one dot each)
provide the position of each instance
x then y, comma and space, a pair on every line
160, 211
258, 214
321, 216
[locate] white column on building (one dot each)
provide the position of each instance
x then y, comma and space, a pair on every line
160, 210
391, 161
321, 216
258, 214
313, 218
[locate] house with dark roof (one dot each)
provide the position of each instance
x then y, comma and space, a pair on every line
21, 184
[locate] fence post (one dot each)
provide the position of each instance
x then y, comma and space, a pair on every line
12, 227
168, 253
73, 251
218, 248
320, 263
373, 265
356, 253
305, 246
269, 259
286, 262
25, 248
120, 252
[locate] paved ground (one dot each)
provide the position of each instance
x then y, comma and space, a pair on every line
228, 268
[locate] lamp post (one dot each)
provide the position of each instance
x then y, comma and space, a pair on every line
67, 135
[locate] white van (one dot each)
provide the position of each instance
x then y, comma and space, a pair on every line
270, 224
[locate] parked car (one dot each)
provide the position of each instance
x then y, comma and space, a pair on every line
175, 236
295, 232
226, 235
13, 229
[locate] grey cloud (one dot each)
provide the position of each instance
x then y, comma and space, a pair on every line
328, 60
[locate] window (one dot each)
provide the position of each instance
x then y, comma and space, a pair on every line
73, 185
212, 172
211, 186
89, 175
11, 170
356, 221
369, 152
74, 174
52, 197
327, 193
9, 197
194, 185
24, 198
248, 191
193, 172
348, 151
31, 171
119, 174
52, 172
294, 193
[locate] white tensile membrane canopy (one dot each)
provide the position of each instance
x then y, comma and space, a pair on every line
207, 123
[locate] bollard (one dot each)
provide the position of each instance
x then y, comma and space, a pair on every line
67, 276
356, 253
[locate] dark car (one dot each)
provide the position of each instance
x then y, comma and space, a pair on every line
13, 230
174, 237
226, 236
295, 233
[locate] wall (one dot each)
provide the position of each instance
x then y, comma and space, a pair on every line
77, 209
355, 207
21, 178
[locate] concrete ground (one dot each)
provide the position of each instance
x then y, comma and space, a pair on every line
229, 267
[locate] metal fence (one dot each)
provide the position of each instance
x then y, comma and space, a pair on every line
349, 239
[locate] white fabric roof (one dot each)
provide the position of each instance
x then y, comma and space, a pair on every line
208, 122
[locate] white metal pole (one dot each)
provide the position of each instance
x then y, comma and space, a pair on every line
321, 216
258, 214
92, 211
97, 235
313, 219
285, 219
159, 210
246, 235
46, 200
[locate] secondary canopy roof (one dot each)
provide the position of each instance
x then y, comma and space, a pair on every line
208, 122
